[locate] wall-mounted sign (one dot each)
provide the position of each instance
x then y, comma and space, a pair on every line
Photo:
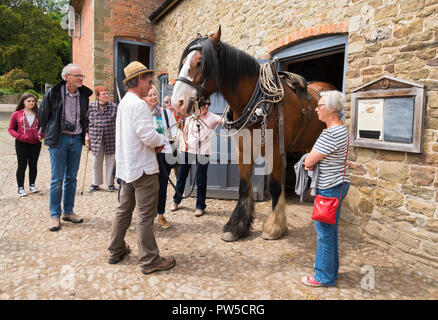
370, 118
388, 114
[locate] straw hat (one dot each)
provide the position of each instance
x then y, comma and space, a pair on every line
135, 69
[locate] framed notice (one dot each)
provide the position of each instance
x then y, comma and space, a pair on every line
370, 118
388, 114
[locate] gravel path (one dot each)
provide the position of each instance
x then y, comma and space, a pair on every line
72, 263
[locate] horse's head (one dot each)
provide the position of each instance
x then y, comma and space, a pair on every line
197, 75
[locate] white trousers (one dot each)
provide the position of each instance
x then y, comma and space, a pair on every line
110, 162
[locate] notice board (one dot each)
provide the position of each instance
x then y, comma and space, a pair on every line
388, 114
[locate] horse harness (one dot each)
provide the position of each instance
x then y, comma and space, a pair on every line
261, 105
200, 89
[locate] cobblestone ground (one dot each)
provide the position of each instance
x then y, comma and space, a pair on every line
72, 263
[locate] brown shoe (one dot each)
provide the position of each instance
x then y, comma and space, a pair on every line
199, 212
55, 225
162, 220
164, 263
72, 217
114, 260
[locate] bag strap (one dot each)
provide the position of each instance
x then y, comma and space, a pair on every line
166, 117
345, 165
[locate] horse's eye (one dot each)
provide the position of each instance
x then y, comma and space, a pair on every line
198, 65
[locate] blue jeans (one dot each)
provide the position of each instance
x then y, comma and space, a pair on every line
64, 162
327, 255
201, 179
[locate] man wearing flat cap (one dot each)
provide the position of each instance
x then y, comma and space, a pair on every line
137, 141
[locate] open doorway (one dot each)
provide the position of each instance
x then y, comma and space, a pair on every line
328, 67
125, 52
321, 59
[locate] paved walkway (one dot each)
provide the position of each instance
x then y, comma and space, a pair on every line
72, 263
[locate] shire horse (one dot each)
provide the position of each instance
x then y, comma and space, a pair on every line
209, 65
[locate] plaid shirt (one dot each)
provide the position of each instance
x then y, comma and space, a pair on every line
102, 126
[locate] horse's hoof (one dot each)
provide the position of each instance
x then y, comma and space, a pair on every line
268, 236
229, 237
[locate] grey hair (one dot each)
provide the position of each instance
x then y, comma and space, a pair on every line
66, 70
335, 100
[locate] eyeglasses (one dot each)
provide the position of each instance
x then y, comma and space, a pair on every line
168, 102
207, 104
78, 75
320, 105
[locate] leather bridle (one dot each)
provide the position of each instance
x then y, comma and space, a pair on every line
200, 89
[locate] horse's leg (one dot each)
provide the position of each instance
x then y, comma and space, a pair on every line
275, 224
241, 220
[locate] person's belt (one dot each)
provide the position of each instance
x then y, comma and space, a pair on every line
71, 134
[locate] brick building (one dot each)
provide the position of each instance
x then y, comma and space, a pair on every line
355, 44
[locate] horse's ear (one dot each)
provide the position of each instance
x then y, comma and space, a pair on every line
216, 37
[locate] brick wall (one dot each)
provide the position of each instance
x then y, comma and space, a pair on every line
393, 199
122, 19
83, 46
102, 21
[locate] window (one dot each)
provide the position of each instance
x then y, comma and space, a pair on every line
163, 82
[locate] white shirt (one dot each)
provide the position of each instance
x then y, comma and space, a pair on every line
136, 139
209, 121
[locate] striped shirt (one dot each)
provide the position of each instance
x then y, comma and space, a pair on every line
333, 143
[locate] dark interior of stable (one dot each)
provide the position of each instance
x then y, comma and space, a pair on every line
328, 67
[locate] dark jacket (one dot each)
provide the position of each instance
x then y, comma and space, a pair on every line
50, 113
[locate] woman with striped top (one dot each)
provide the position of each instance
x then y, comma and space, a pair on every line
330, 151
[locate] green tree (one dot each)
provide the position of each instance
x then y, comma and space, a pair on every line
32, 40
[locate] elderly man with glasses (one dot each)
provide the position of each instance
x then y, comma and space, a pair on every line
63, 118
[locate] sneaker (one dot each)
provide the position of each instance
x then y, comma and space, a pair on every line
310, 281
22, 192
72, 217
164, 263
33, 189
174, 206
114, 260
93, 188
55, 224
111, 188
162, 220
199, 212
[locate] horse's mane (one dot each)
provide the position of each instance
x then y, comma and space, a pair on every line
226, 64
235, 64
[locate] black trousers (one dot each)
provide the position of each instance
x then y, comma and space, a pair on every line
27, 154
163, 181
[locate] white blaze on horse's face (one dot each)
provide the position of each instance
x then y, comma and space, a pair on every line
182, 91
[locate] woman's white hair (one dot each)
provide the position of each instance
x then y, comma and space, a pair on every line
335, 100
67, 69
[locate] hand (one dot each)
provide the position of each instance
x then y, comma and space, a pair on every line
87, 141
306, 167
159, 149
